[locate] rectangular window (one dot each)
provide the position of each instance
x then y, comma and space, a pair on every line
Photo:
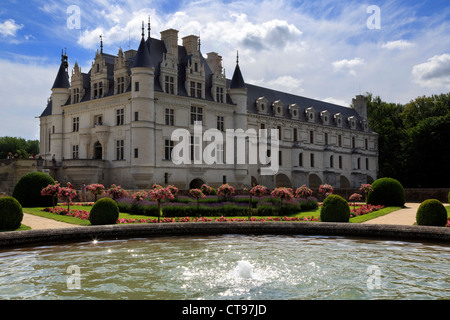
169, 117
340, 162
136, 86
263, 126
76, 124
339, 140
366, 144
353, 143
136, 116
220, 123
295, 135
300, 160
224, 179
311, 137
192, 89
98, 120
280, 157
367, 163
312, 160
219, 95
358, 163
220, 154
196, 114
120, 85
331, 162
120, 150
326, 138
120, 117
199, 90
170, 84
279, 132
100, 90
95, 91
136, 153
168, 147
76, 95
74, 152
196, 89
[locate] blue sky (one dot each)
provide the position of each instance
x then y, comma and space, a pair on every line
319, 49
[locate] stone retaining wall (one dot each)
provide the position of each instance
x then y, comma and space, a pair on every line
383, 232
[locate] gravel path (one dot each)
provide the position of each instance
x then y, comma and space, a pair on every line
405, 216
39, 223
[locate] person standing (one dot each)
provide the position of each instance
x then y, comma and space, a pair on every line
83, 192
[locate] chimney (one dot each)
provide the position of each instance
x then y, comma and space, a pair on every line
214, 62
170, 39
360, 105
191, 44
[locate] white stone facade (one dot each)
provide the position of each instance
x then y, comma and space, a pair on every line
114, 124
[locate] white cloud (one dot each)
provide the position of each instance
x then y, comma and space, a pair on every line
348, 65
433, 73
284, 83
9, 28
397, 45
24, 88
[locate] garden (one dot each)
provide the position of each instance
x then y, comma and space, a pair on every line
40, 195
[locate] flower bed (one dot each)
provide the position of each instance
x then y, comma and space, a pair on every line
364, 209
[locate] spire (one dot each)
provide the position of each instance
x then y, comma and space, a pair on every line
101, 44
142, 59
237, 82
62, 78
149, 28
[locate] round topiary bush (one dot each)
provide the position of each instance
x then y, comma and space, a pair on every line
387, 192
431, 213
28, 190
335, 209
104, 211
11, 213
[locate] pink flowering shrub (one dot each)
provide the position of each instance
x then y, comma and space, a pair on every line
258, 191
80, 214
139, 196
67, 194
303, 192
159, 194
52, 190
225, 190
364, 209
365, 189
207, 190
326, 190
117, 192
283, 194
96, 189
174, 190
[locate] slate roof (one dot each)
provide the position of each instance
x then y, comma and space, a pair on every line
150, 54
62, 78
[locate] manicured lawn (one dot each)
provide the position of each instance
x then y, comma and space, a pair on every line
314, 214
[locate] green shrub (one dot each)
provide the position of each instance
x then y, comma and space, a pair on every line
387, 192
335, 209
28, 190
431, 213
11, 213
104, 211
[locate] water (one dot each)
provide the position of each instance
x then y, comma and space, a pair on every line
228, 267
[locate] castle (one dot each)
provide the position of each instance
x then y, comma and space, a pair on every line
114, 124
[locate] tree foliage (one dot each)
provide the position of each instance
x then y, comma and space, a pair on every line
23, 148
413, 139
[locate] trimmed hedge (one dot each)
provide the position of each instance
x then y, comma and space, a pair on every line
105, 211
431, 213
387, 192
335, 209
28, 190
11, 214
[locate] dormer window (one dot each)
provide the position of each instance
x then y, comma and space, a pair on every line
338, 119
278, 108
169, 84
352, 122
325, 115
220, 95
365, 125
293, 110
261, 105
120, 85
310, 114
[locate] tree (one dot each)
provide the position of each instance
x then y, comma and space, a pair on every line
24, 148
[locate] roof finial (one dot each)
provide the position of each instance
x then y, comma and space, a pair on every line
101, 43
149, 27
143, 34
237, 57
199, 42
